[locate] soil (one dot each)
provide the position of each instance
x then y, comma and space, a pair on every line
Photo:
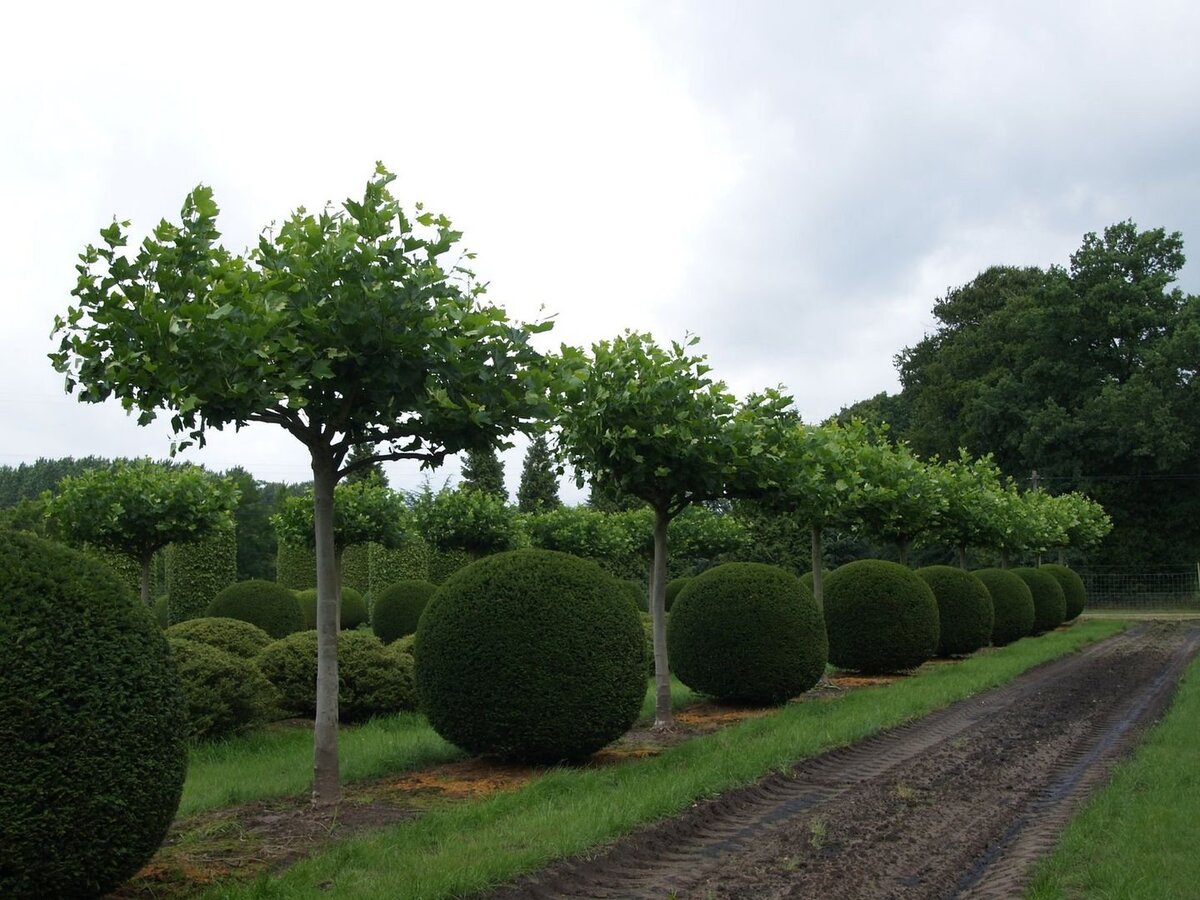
957, 804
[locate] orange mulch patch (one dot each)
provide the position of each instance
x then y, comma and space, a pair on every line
465, 779
710, 716
853, 681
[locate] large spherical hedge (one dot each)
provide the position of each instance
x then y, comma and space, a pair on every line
747, 632
270, 606
398, 608
231, 635
674, 586
92, 725
530, 655
1049, 601
225, 693
881, 617
635, 591
371, 681
1072, 587
1012, 602
965, 614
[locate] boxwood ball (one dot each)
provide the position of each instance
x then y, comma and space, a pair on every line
1049, 601
1072, 587
965, 614
1013, 604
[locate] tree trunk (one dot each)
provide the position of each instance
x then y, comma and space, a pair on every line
962, 557
326, 781
147, 561
663, 718
818, 571
902, 546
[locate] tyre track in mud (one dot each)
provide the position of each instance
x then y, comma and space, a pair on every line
956, 804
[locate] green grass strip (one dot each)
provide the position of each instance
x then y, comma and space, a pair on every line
467, 847
1138, 836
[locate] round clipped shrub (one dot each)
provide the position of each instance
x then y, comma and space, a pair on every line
1012, 602
231, 635
635, 591
674, 586
225, 693
881, 617
542, 636
307, 599
807, 579
92, 725
965, 614
747, 632
162, 612
270, 606
1072, 587
354, 609
398, 608
370, 681
1049, 601
648, 634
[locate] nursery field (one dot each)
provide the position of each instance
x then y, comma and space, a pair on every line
734, 804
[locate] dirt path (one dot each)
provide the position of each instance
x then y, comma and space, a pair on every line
957, 804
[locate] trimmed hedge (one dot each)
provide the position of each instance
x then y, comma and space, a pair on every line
356, 569
197, 571
126, 568
674, 586
234, 636
409, 562
371, 680
92, 725
296, 566
748, 633
1072, 587
881, 617
1012, 602
1049, 601
225, 693
541, 636
444, 563
965, 614
270, 606
398, 608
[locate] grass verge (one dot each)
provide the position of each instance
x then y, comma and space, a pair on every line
1138, 836
467, 847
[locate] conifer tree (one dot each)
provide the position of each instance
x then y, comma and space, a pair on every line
483, 471
538, 491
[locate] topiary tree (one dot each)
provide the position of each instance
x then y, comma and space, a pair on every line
398, 608
196, 571
92, 725
231, 635
538, 491
484, 472
270, 606
881, 617
466, 521
1012, 601
674, 586
965, 614
292, 333
700, 536
1049, 602
138, 507
225, 693
974, 495
901, 497
748, 633
1074, 592
374, 682
582, 531
542, 636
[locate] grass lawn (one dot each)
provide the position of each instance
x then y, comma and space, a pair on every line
1138, 837
464, 847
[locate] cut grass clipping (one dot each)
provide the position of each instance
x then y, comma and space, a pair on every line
467, 847
1138, 836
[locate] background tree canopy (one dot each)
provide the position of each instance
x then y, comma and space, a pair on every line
1085, 374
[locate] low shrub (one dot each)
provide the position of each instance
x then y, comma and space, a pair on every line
162, 611
398, 608
225, 693
542, 636
231, 635
370, 681
965, 614
1012, 602
270, 606
92, 725
674, 586
747, 632
1073, 590
1049, 601
881, 617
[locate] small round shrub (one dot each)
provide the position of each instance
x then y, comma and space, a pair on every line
398, 608
635, 591
648, 633
674, 586
270, 606
307, 599
965, 614
530, 655
1049, 601
231, 635
1012, 602
354, 609
92, 725
162, 611
370, 681
881, 617
225, 693
1072, 587
748, 633
807, 579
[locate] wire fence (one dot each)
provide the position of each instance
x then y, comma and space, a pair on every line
1143, 590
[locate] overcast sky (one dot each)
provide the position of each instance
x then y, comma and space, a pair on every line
796, 183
